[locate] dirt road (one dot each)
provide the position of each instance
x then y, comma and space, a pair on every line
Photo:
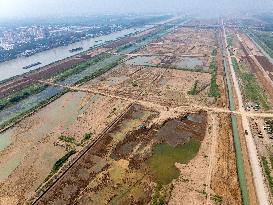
212, 157
260, 186
147, 103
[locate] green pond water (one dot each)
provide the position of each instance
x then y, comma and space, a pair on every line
162, 162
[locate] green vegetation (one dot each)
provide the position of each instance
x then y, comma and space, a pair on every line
193, 91
264, 39
271, 161
267, 173
72, 140
124, 47
97, 73
59, 164
20, 95
162, 162
230, 41
157, 199
86, 137
199, 70
251, 89
67, 139
214, 89
214, 52
61, 161
79, 68
134, 84
216, 198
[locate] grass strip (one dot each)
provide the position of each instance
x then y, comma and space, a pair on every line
97, 73
79, 68
193, 90
214, 89
251, 89
264, 39
58, 164
267, 173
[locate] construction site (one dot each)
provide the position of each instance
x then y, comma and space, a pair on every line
253, 68
165, 125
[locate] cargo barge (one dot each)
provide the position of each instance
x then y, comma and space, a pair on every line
32, 65
76, 49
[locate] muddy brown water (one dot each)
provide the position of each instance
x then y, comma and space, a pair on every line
179, 131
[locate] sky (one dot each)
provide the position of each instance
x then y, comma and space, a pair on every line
57, 8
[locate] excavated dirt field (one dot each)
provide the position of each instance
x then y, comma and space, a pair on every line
167, 87
152, 77
142, 150
255, 51
265, 63
184, 41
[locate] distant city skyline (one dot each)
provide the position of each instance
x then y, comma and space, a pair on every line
59, 8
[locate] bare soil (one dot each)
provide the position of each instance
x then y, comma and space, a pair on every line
36, 145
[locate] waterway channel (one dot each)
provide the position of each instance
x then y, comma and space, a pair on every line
14, 67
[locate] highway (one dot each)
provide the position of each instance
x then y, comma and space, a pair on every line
258, 178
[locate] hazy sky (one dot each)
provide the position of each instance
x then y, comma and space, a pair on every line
40, 8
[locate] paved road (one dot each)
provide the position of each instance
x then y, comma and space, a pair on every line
258, 178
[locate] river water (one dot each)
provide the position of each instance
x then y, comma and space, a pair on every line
14, 67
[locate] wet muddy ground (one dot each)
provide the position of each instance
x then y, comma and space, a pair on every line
144, 61
29, 150
128, 159
191, 63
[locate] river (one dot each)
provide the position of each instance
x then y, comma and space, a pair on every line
14, 67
